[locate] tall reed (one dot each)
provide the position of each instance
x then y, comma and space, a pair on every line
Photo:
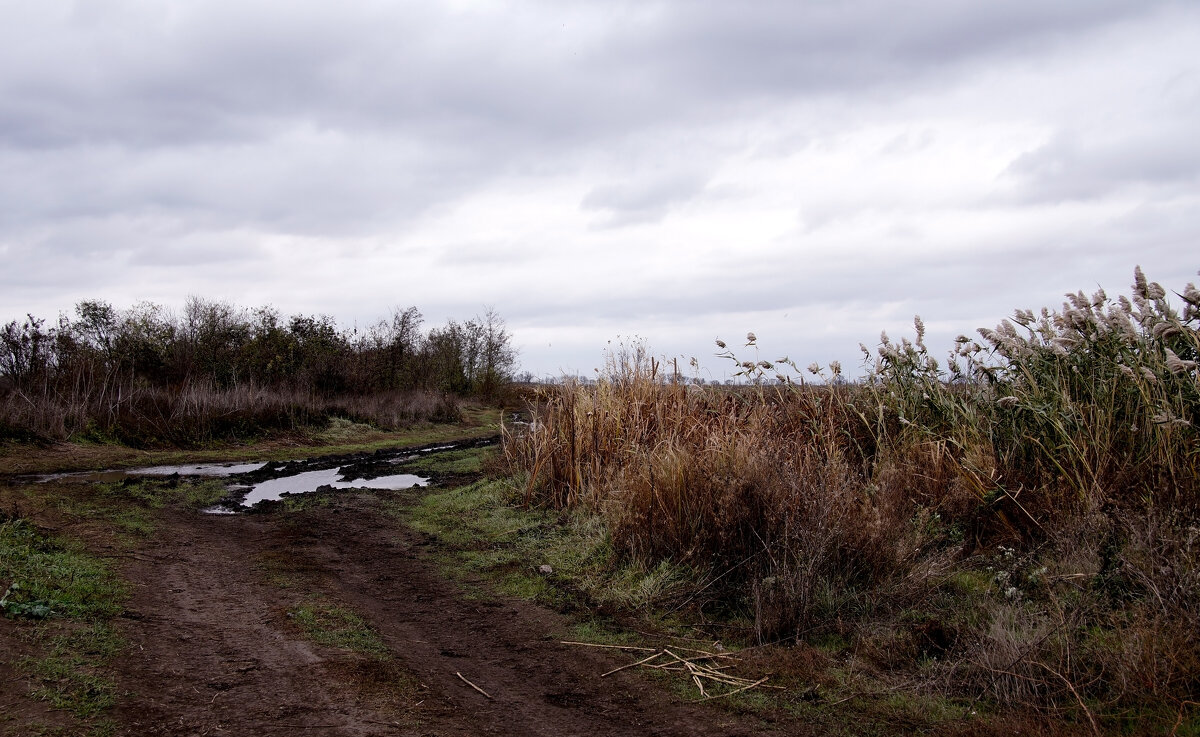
1067, 438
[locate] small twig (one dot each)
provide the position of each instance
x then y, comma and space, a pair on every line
632, 665
706, 653
759, 682
1179, 719
472, 685
1087, 712
613, 647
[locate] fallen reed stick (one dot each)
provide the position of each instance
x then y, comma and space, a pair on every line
613, 647
759, 682
632, 665
698, 665
472, 685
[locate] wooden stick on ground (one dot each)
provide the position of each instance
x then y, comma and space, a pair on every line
472, 685
693, 666
632, 665
613, 647
759, 682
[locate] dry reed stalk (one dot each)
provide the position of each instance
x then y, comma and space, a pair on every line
472, 685
692, 666
613, 647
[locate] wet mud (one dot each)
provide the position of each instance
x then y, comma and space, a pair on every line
214, 651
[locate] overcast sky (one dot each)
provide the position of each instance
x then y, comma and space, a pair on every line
814, 171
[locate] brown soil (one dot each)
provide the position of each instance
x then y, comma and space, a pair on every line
213, 651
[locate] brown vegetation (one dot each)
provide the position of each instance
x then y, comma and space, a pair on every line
144, 376
1022, 527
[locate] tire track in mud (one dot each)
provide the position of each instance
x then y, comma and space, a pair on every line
212, 651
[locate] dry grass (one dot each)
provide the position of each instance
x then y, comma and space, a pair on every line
196, 414
1034, 502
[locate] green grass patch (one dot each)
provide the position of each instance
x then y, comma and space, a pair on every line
55, 575
66, 598
160, 493
465, 461
486, 534
326, 623
72, 674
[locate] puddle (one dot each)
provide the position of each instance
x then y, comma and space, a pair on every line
215, 470
203, 469
309, 481
251, 483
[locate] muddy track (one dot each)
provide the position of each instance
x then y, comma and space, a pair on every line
213, 651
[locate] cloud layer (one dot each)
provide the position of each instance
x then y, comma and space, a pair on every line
676, 170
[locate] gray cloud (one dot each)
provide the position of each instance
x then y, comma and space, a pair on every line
762, 151
645, 199
1070, 168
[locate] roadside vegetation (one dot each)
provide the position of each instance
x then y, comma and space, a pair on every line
1016, 528
147, 377
65, 599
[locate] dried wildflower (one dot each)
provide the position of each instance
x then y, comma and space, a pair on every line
766, 365
720, 343
835, 367
814, 367
1167, 419
1177, 365
750, 338
1166, 329
1139, 282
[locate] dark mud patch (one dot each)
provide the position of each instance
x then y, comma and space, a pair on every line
388, 469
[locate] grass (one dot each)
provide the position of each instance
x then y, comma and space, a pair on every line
962, 524
333, 625
487, 535
52, 574
18, 458
64, 599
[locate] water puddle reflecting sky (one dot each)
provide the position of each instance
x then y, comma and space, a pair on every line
291, 477
310, 481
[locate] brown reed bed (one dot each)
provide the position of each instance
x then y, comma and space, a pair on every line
1019, 523
199, 413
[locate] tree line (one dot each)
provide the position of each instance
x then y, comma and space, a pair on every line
223, 346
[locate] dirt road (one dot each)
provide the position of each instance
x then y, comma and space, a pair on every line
213, 649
